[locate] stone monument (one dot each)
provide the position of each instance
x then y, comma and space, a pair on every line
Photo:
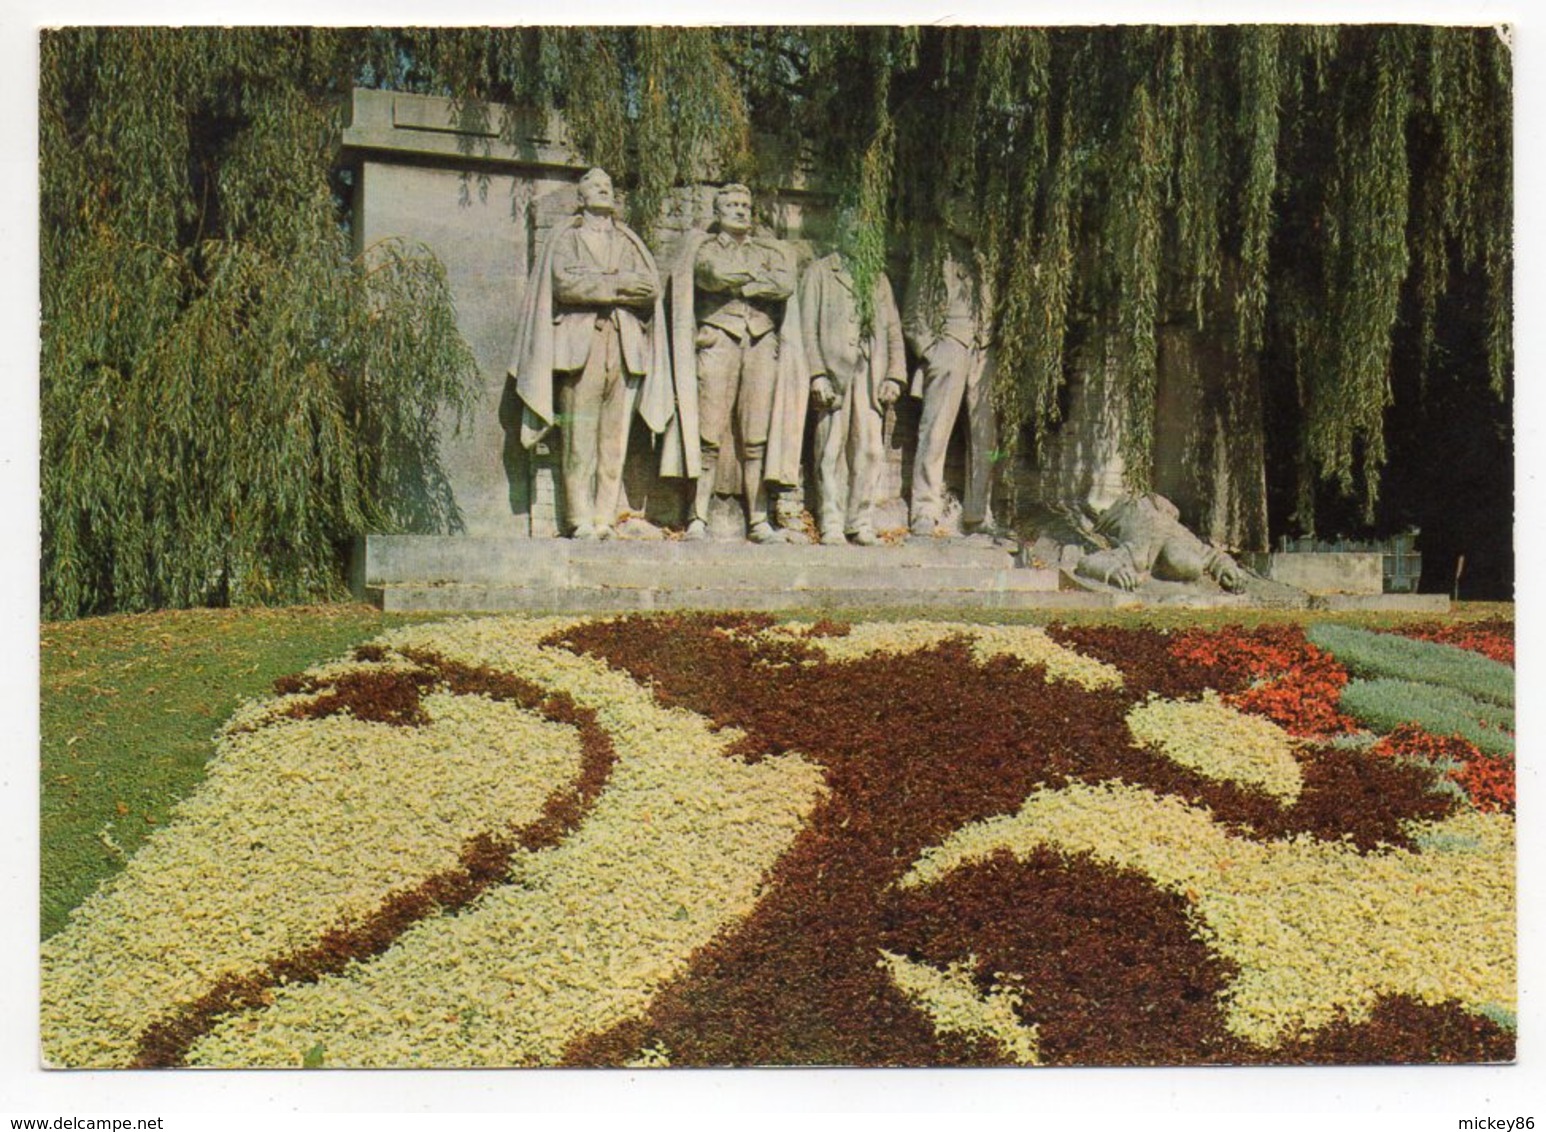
496, 204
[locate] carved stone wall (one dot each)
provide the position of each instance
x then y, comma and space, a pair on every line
1209, 447
425, 172
431, 172
1081, 462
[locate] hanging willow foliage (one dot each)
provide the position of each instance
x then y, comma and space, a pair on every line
228, 394
1122, 178
1396, 178
657, 107
217, 365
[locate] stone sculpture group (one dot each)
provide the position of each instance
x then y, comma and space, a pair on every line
726, 361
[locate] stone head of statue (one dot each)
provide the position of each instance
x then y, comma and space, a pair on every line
845, 229
596, 192
733, 209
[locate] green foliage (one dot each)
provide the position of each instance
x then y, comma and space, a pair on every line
1386, 704
1401, 188
1501, 1016
1365, 265
229, 393
1259, 129
657, 107
1384, 654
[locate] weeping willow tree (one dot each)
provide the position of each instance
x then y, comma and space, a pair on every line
230, 393
1270, 184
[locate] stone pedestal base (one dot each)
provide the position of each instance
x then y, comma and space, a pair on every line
1323, 573
413, 572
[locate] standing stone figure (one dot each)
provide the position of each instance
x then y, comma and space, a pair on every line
590, 350
855, 376
738, 365
950, 328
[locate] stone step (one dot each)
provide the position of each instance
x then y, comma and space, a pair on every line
393, 559
646, 574
450, 598
462, 574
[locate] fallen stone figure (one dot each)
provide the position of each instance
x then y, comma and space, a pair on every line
1146, 537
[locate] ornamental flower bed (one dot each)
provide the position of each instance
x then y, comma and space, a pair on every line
721, 840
